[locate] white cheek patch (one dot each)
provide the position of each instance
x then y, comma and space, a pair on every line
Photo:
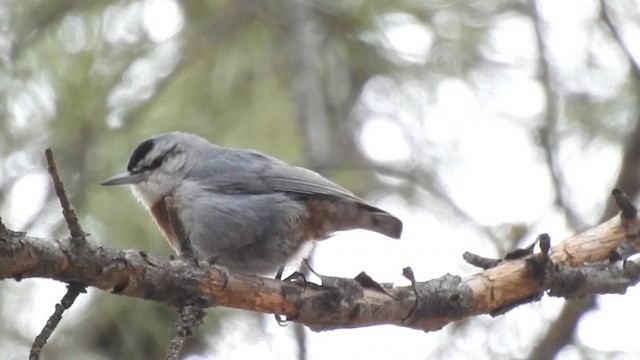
149, 192
146, 194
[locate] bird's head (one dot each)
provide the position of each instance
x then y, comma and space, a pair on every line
158, 165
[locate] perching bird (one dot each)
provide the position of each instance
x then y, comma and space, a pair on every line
242, 209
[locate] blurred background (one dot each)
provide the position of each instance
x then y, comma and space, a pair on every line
479, 123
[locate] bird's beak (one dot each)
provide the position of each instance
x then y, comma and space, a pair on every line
123, 179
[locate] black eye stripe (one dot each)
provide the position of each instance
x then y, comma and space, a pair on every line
156, 162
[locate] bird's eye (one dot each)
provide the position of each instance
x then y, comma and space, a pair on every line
156, 163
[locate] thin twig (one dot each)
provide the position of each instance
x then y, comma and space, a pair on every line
77, 235
78, 240
73, 290
480, 261
190, 318
629, 210
606, 18
175, 346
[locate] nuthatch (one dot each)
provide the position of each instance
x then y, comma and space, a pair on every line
242, 209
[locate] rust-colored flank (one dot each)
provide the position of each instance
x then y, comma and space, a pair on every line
161, 216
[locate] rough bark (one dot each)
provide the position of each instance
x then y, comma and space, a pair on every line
577, 266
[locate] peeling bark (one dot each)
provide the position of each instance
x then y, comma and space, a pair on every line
337, 302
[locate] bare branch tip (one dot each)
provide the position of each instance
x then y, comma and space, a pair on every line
407, 272
77, 234
190, 317
48, 153
629, 210
73, 290
545, 243
480, 261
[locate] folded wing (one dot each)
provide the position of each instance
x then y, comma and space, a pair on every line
248, 172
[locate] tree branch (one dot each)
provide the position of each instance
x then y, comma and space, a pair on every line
338, 302
578, 266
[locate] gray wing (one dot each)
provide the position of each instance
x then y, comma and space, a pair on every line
243, 171
235, 171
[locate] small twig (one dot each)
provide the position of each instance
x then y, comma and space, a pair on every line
77, 235
175, 345
521, 252
617, 35
407, 272
629, 211
78, 240
539, 264
480, 261
488, 263
73, 290
190, 318
545, 246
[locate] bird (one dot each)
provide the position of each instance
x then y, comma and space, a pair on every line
244, 210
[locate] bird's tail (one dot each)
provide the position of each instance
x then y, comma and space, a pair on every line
356, 215
385, 223
381, 222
